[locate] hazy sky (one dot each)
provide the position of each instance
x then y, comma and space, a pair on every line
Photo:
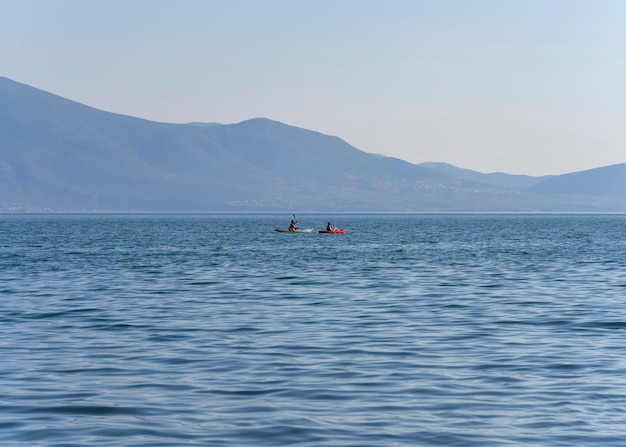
520, 86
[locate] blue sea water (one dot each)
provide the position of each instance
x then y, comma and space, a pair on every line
409, 330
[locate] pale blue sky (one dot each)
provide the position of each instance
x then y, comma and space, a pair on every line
520, 86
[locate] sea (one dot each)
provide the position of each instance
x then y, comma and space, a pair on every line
409, 330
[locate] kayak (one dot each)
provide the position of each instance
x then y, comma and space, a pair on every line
299, 230
340, 231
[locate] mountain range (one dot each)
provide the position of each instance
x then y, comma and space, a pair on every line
62, 156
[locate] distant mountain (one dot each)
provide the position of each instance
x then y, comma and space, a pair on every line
59, 155
608, 181
495, 178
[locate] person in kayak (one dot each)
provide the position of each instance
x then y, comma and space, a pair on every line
329, 227
292, 225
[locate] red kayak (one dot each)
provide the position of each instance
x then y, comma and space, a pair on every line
340, 231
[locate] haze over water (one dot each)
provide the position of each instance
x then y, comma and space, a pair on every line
409, 330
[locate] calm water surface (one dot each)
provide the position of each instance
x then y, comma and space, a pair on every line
409, 330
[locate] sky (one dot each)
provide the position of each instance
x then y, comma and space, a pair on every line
530, 87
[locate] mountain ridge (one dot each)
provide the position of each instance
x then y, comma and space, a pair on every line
58, 154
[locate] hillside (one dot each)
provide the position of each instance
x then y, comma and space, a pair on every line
62, 155
608, 181
494, 178
59, 155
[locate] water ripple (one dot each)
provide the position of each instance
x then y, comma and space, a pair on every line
486, 330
